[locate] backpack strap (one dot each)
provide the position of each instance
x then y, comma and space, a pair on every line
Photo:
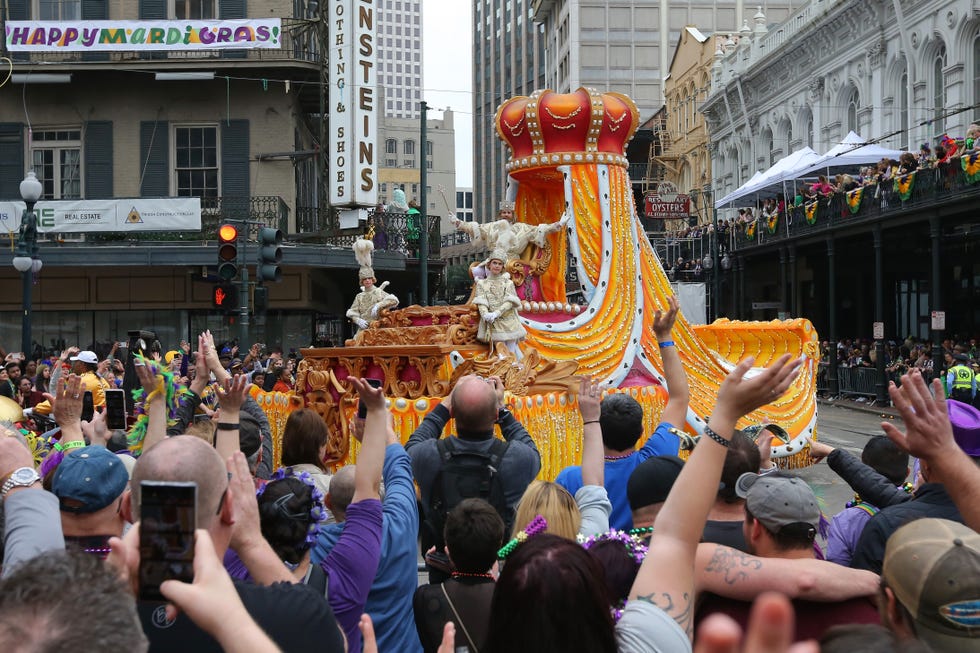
446, 449
317, 578
497, 450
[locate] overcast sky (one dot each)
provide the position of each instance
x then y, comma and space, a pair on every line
447, 59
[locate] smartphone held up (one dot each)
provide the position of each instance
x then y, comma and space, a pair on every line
168, 516
361, 408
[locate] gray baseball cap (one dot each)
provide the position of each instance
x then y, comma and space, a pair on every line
779, 501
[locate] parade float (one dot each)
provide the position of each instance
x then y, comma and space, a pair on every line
566, 155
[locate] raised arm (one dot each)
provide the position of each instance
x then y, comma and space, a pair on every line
593, 464
675, 413
370, 460
231, 396
929, 436
863, 479
666, 578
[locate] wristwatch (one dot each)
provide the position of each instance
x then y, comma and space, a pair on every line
21, 477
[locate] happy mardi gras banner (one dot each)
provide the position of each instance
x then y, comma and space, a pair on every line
127, 35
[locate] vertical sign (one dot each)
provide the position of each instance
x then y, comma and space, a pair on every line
352, 167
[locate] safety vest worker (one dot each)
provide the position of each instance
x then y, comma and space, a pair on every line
961, 381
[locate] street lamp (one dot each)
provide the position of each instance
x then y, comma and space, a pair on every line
26, 260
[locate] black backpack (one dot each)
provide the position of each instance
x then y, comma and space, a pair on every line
464, 475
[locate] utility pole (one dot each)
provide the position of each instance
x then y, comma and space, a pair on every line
243, 343
424, 210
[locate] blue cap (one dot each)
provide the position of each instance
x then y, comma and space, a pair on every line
89, 479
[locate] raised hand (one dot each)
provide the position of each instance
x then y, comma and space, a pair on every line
589, 398
663, 321
928, 431
739, 396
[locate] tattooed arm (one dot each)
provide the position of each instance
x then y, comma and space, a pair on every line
737, 575
667, 576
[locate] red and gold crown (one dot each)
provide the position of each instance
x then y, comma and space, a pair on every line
549, 128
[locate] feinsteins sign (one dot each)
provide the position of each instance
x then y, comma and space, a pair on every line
352, 172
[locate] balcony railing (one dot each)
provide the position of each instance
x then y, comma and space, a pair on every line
925, 187
392, 231
299, 42
263, 210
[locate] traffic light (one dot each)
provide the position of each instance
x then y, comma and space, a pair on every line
224, 296
227, 252
270, 253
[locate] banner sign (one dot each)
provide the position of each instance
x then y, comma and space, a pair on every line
118, 215
129, 35
353, 126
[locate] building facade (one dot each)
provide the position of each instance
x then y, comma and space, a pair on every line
898, 73
402, 155
626, 45
240, 129
400, 56
508, 60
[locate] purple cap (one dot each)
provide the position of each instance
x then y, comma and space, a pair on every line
966, 426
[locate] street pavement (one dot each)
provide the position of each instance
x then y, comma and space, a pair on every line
842, 428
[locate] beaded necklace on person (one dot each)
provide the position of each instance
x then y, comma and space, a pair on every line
463, 574
620, 456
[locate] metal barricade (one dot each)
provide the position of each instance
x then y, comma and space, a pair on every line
857, 381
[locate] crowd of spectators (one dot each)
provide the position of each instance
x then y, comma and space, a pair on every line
636, 549
879, 179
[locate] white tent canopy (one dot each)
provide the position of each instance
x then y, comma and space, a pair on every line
724, 200
788, 167
852, 151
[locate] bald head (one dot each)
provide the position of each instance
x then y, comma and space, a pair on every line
342, 490
474, 407
188, 459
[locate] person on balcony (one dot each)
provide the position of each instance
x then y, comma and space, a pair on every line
496, 298
372, 299
506, 235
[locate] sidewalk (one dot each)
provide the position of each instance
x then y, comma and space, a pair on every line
863, 406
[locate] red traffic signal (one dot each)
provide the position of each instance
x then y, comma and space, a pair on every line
224, 297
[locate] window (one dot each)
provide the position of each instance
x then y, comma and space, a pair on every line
939, 91
56, 155
58, 9
408, 147
196, 161
976, 78
851, 106
904, 138
384, 188
428, 148
193, 9
391, 146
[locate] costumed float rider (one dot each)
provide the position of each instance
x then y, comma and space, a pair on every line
372, 299
507, 236
496, 298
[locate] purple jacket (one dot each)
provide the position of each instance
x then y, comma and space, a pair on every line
845, 529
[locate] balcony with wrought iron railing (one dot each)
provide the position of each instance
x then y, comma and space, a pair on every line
928, 187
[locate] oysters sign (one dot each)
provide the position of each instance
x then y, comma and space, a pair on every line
665, 202
353, 121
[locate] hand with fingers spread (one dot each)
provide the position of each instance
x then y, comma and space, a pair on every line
739, 396
663, 321
66, 407
201, 372
148, 380
928, 431
232, 394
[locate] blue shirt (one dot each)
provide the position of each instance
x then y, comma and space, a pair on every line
617, 474
390, 600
